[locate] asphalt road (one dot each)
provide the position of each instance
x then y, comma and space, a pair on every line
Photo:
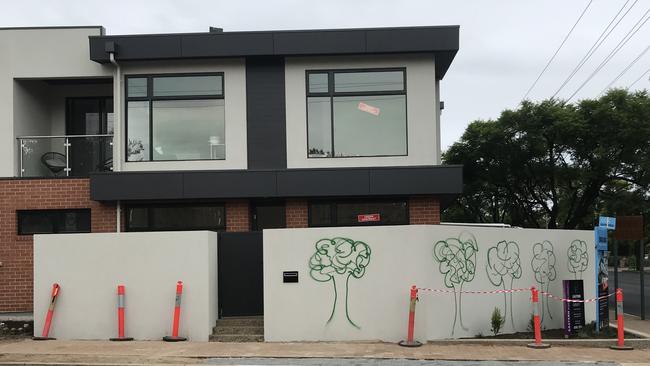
381, 362
629, 282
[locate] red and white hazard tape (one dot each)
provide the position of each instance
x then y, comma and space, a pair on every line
474, 292
573, 300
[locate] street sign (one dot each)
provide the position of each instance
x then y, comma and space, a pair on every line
629, 228
607, 222
601, 238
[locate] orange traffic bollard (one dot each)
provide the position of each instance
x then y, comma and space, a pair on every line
177, 315
620, 343
120, 316
50, 313
411, 327
538, 325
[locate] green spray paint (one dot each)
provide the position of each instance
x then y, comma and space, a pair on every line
457, 262
503, 263
578, 258
543, 264
337, 260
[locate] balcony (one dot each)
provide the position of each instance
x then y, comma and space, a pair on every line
65, 156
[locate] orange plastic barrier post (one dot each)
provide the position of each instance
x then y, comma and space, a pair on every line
411, 326
120, 316
177, 316
620, 324
538, 325
50, 313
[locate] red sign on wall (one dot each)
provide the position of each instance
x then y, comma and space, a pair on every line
368, 217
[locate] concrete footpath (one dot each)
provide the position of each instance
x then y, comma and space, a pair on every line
154, 352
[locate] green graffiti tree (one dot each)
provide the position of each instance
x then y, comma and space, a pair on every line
543, 264
457, 262
578, 257
503, 263
337, 260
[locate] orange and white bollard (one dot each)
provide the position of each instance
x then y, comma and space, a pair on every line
538, 324
411, 326
177, 316
120, 316
620, 323
50, 313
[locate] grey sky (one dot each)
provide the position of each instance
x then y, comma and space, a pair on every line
504, 43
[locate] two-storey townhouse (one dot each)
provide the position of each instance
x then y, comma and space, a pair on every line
228, 131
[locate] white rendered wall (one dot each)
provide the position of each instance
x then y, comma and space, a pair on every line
422, 121
235, 108
39, 53
402, 256
88, 267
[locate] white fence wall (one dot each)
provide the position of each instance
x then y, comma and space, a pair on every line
90, 266
397, 257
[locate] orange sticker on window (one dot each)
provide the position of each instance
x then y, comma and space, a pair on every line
368, 108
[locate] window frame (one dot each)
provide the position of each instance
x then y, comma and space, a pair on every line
151, 98
20, 213
150, 205
333, 203
331, 94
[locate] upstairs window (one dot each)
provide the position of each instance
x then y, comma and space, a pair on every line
175, 117
356, 113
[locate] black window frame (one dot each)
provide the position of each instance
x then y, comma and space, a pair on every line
20, 215
153, 205
151, 98
333, 203
331, 93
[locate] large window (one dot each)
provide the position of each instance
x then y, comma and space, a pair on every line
53, 221
356, 113
175, 216
172, 117
358, 212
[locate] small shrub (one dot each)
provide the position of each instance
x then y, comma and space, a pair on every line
631, 263
479, 335
497, 320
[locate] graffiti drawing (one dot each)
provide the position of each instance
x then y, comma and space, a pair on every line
457, 262
503, 264
578, 258
543, 264
337, 260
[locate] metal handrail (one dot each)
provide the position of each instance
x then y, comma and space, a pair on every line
59, 136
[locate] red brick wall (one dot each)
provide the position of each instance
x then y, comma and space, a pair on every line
424, 210
16, 251
296, 212
237, 216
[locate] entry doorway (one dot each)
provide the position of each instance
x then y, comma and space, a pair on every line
268, 215
89, 116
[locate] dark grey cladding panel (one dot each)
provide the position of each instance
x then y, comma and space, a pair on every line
237, 44
438, 180
412, 40
135, 186
339, 182
265, 113
229, 184
147, 47
443, 61
323, 42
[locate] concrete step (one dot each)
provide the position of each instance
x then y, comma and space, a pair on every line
237, 329
246, 321
236, 338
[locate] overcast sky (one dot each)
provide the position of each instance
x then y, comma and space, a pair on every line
504, 44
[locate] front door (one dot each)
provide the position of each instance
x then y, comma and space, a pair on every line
268, 215
89, 116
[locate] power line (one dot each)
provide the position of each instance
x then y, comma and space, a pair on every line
637, 80
635, 28
599, 41
625, 69
557, 51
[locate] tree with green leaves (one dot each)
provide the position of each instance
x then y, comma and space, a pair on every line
457, 263
547, 164
337, 260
